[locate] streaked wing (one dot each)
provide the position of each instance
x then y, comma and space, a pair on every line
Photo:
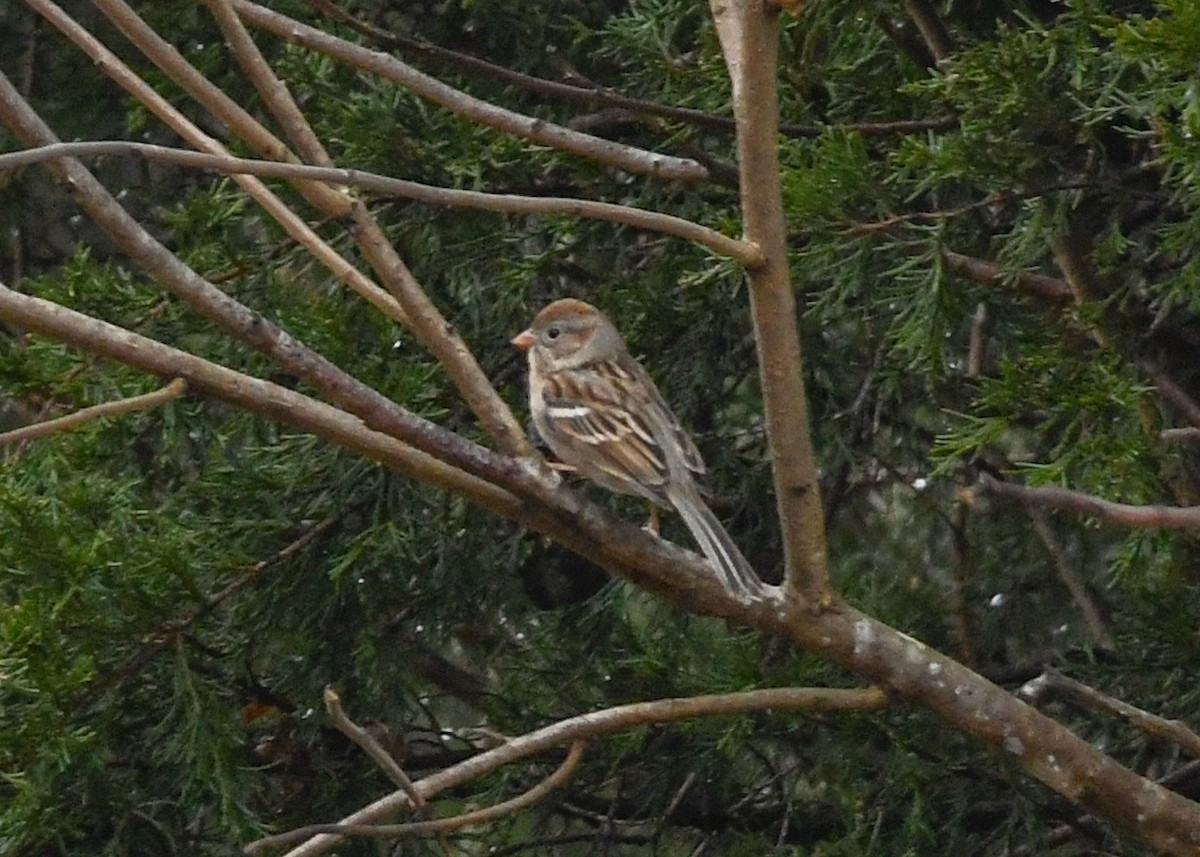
603, 408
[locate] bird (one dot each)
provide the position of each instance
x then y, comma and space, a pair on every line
601, 414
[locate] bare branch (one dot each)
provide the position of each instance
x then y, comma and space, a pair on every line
246, 325
535, 130
165, 55
932, 30
1175, 731
253, 394
749, 34
173, 390
604, 722
1176, 396
511, 488
1121, 514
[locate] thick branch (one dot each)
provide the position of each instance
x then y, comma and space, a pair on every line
1121, 514
843, 635
248, 326
415, 308
1143, 810
749, 33
261, 397
506, 486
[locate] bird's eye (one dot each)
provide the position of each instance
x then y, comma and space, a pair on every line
552, 333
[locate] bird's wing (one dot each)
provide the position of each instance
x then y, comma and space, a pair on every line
612, 417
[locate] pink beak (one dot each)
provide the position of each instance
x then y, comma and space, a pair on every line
523, 340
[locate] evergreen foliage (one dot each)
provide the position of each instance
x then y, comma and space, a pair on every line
161, 661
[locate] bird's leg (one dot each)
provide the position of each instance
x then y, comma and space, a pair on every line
654, 525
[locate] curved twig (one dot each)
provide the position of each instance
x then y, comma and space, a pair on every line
441, 825
173, 390
603, 722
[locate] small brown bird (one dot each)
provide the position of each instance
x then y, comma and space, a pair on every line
600, 413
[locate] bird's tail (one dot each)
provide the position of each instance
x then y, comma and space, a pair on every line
735, 572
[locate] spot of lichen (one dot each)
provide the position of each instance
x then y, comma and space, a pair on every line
864, 636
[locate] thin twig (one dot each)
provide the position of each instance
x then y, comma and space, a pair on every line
535, 130
1121, 514
441, 825
169, 632
1050, 289
145, 401
1175, 731
1092, 613
363, 738
743, 252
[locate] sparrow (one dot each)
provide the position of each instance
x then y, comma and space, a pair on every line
600, 413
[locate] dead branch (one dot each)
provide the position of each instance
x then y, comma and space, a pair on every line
36, 133
417, 311
1190, 434
1053, 681
1121, 514
1049, 289
1089, 608
258, 396
243, 323
1175, 395
173, 390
